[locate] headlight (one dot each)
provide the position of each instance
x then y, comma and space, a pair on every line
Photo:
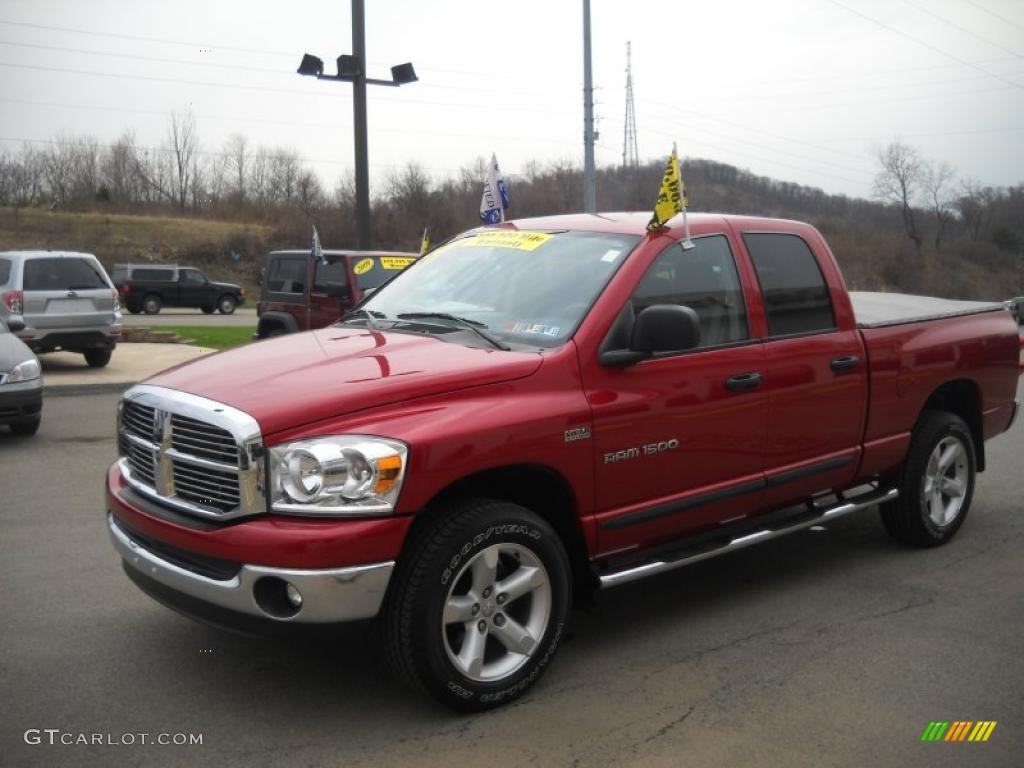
24, 372
340, 475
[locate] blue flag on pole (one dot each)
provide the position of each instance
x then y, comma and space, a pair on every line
495, 200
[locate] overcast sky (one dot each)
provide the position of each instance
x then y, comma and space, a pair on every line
801, 90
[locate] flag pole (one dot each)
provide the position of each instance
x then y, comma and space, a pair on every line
687, 243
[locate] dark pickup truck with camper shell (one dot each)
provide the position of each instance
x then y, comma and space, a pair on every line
150, 287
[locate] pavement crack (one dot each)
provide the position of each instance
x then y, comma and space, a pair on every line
669, 726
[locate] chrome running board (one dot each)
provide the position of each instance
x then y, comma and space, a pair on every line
682, 557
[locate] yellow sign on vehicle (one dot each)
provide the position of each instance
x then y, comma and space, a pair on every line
519, 241
395, 262
363, 266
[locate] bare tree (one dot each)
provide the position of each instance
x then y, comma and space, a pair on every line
937, 180
58, 168
975, 206
898, 182
236, 148
184, 144
118, 170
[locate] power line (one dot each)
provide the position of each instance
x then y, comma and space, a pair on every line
490, 75
88, 52
166, 41
270, 89
1003, 19
733, 151
775, 150
961, 28
244, 67
927, 45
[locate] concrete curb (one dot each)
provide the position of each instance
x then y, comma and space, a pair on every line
64, 390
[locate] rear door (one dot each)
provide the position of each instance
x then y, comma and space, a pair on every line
679, 438
816, 369
71, 292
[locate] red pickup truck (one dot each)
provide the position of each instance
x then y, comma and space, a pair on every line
542, 408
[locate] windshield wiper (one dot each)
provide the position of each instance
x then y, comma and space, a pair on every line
369, 314
473, 325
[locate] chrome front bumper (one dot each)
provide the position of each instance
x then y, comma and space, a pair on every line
328, 596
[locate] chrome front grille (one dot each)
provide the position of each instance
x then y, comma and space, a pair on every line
191, 453
203, 440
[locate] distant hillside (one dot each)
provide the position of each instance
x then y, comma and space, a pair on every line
118, 238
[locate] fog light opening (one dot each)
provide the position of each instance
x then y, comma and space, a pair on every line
276, 597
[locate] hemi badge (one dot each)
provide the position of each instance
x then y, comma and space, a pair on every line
577, 433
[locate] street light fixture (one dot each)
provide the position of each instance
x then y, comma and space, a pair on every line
352, 69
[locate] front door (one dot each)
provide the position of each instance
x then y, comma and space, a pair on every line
679, 439
330, 296
192, 290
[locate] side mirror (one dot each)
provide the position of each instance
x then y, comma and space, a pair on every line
665, 328
15, 325
658, 328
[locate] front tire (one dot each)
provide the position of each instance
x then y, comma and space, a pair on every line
936, 485
226, 304
478, 604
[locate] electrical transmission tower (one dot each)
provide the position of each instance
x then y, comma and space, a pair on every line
630, 153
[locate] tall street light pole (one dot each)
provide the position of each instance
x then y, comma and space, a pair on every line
352, 69
359, 126
589, 181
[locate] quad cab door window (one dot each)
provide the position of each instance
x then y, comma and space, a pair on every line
709, 438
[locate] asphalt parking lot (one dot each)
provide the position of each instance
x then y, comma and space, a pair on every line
835, 647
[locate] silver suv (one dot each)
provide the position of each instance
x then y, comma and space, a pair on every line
65, 301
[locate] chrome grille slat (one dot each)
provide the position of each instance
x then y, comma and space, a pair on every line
206, 441
225, 489
191, 453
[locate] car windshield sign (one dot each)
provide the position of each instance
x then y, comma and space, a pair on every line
527, 288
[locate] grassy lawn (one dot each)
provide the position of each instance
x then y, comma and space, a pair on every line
213, 336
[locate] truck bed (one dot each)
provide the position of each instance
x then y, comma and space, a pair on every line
879, 310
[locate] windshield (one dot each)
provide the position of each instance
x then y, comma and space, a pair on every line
530, 288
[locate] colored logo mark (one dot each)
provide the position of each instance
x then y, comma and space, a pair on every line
959, 730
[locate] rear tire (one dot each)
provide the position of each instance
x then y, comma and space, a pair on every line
226, 304
98, 358
478, 604
936, 484
151, 304
26, 428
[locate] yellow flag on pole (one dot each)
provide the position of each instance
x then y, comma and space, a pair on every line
425, 242
671, 196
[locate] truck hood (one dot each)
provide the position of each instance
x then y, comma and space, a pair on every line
293, 380
225, 286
